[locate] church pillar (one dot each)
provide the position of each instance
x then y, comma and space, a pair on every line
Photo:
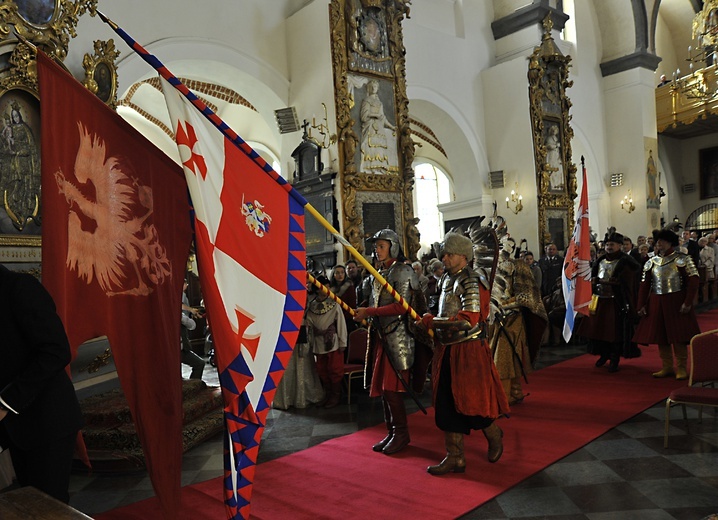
631, 141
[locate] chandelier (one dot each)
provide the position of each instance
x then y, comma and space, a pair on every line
701, 84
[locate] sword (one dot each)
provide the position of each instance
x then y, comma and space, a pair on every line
398, 375
500, 319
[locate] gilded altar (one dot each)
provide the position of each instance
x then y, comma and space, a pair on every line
372, 109
552, 135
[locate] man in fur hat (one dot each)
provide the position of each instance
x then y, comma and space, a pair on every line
613, 279
665, 303
468, 394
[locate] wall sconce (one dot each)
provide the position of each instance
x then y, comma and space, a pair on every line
323, 129
627, 202
516, 199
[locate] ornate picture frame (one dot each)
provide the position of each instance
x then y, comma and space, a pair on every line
48, 25
38, 13
19, 161
101, 72
552, 134
368, 51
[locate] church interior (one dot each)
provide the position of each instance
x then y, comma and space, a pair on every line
419, 116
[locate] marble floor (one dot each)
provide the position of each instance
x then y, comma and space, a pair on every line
625, 474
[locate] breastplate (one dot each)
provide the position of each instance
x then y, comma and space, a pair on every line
665, 276
459, 292
606, 268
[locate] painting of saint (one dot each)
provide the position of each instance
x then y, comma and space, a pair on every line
557, 179
19, 162
378, 144
104, 80
652, 199
37, 12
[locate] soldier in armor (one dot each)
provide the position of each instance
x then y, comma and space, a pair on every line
665, 303
393, 345
518, 320
467, 389
610, 327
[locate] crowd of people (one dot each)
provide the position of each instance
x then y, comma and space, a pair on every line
484, 326
486, 336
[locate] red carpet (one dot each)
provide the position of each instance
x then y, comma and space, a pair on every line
571, 404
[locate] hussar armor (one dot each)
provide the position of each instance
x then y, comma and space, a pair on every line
459, 292
665, 274
397, 341
606, 268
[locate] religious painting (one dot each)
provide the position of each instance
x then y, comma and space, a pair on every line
708, 164
19, 162
36, 12
368, 40
557, 228
101, 72
653, 179
375, 125
554, 158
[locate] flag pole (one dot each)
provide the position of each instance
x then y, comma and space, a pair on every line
252, 154
326, 290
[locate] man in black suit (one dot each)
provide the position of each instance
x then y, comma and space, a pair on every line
39, 412
551, 268
690, 242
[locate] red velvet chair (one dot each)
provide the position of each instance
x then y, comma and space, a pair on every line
703, 354
356, 353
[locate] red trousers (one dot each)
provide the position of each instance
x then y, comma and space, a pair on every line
330, 367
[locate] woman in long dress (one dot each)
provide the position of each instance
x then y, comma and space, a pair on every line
300, 386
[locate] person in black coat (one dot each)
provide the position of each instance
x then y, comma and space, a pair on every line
551, 268
39, 412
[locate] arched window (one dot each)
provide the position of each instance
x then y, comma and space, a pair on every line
431, 188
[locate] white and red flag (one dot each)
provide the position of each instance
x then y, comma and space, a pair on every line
115, 241
249, 234
576, 276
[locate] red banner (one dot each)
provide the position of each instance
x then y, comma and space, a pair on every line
115, 241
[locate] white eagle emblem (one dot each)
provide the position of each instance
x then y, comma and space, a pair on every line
110, 233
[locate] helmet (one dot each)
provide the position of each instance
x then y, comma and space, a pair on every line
390, 236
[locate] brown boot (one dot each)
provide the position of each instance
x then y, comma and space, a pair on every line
400, 439
667, 359
681, 352
454, 460
379, 446
494, 435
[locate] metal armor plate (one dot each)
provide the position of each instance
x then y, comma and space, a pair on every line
394, 331
459, 292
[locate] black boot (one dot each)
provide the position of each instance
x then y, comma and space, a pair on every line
602, 360
400, 439
379, 446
